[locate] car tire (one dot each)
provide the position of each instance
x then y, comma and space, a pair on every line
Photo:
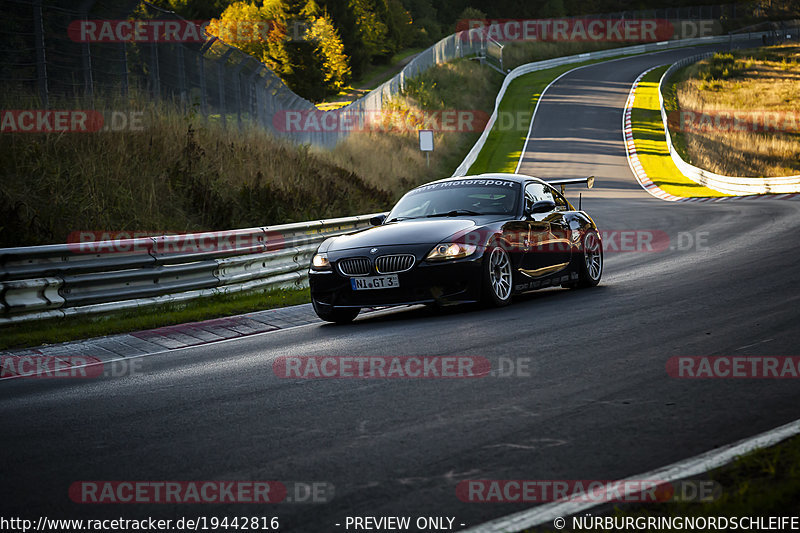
497, 277
339, 315
590, 262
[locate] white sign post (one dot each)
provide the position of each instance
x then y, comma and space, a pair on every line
426, 144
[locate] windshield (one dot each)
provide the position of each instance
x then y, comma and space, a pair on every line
458, 198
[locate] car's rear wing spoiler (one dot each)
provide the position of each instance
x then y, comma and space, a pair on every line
569, 181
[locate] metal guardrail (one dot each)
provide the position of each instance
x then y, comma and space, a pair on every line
60, 280
725, 184
468, 161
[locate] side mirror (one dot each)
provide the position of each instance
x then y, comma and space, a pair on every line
542, 206
377, 220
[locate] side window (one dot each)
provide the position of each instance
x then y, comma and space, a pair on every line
536, 192
532, 192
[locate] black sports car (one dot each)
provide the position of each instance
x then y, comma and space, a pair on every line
464, 239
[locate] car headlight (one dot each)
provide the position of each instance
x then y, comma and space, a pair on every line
320, 262
450, 250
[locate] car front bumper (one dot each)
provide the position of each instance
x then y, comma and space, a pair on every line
443, 282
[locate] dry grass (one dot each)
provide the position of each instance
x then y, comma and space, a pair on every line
392, 160
177, 175
181, 174
762, 80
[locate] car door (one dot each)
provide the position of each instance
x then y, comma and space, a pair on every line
545, 249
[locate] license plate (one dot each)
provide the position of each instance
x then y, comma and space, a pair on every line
374, 282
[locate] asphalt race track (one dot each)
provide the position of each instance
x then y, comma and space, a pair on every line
596, 404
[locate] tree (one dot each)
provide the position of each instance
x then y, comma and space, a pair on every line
344, 20
400, 32
553, 9
330, 49
249, 28
316, 64
429, 24
372, 31
468, 15
298, 42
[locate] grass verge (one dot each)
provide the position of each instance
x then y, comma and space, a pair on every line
761, 483
52, 331
736, 113
651, 145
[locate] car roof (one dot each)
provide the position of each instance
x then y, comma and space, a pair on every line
518, 178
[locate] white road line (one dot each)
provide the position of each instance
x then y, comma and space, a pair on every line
530, 128
630, 147
545, 514
754, 344
536, 108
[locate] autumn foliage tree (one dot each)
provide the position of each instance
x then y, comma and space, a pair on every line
294, 38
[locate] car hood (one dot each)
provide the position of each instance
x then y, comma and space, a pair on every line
424, 231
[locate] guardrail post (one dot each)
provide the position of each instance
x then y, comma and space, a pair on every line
237, 76
41, 59
221, 85
155, 82
123, 48
181, 77
86, 60
201, 70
